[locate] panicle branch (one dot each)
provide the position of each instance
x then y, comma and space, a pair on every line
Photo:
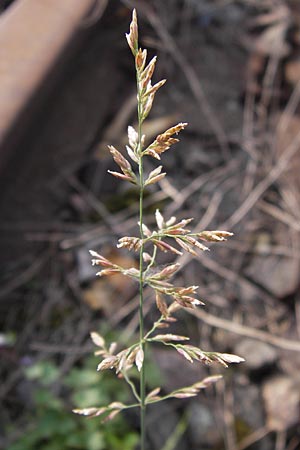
164, 141
192, 353
185, 238
125, 166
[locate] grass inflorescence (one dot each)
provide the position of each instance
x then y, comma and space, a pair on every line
169, 235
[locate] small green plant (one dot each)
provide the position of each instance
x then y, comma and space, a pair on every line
169, 236
50, 425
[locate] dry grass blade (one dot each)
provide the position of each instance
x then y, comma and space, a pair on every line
243, 330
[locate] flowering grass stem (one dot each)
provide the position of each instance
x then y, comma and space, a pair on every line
169, 298
141, 268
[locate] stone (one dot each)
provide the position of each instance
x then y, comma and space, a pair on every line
279, 276
203, 431
258, 355
281, 396
248, 404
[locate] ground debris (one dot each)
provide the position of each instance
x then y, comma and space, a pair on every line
281, 395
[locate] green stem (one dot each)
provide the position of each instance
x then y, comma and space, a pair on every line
132, 386
141, 320
154, 327
141, 269
152, 262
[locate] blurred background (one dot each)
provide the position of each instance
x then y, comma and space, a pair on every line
67, 89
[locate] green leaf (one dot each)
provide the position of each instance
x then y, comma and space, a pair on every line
45, 372
89, 397
79, 378
46, 400
95, 441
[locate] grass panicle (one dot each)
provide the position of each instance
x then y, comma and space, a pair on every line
170, 236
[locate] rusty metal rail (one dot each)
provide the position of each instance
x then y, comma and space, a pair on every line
33, 35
